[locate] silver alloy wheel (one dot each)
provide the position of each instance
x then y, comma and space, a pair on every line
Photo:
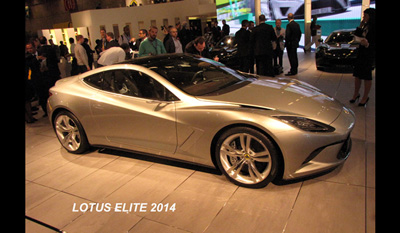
245, 158
68, 132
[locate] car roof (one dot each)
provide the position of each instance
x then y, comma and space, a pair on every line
148, 60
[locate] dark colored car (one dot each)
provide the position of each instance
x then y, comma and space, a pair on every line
338, 51
226, 50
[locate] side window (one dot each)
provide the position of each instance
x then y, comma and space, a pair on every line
147, 86
130, 83
138, 84
102, 81
95, 80
124, 83
108, 77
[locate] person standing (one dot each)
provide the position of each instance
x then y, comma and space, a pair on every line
81, 55
103, 39
242, 39
55, 48
225, 28
49, 61
74, 64
261, 38
63, 65
251, 28
173, 44
142, 37
184, 34
363, 66
63, 49
151, 45
111, 42
314, 35
280, 45
216, 31
89, 51
126, 38
293, 35
35, 82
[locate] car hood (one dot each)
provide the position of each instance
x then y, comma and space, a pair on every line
286, 95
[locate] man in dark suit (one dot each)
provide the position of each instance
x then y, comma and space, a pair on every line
110, 40
242, 39
293, 35
37, 80
261, 38
49, 54
173, 44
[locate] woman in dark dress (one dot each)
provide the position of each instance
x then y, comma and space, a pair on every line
366, 55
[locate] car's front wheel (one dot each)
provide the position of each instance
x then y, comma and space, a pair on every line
70, 133
247, 157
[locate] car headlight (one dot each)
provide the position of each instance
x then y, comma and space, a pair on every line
306, 124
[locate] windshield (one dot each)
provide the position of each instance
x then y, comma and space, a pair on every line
197, 76
340, 37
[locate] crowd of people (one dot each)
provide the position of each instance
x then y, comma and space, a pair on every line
41, 73
263, 44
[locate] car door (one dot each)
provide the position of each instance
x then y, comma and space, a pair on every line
133, 112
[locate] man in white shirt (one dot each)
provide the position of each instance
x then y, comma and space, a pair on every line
113, 55
81, 55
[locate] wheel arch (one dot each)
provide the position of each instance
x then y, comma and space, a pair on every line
56, 112
214, 141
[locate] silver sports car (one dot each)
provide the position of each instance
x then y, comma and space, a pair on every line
254, 129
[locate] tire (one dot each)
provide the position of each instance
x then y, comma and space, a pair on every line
70, 133
247, 157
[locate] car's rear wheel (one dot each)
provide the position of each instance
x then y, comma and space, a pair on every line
70, 133
247, 157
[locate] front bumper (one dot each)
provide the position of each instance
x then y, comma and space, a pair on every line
326, 158
341, 58
328, 155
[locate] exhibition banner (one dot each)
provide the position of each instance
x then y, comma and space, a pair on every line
332, 14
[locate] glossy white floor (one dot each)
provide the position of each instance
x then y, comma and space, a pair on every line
58, 184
